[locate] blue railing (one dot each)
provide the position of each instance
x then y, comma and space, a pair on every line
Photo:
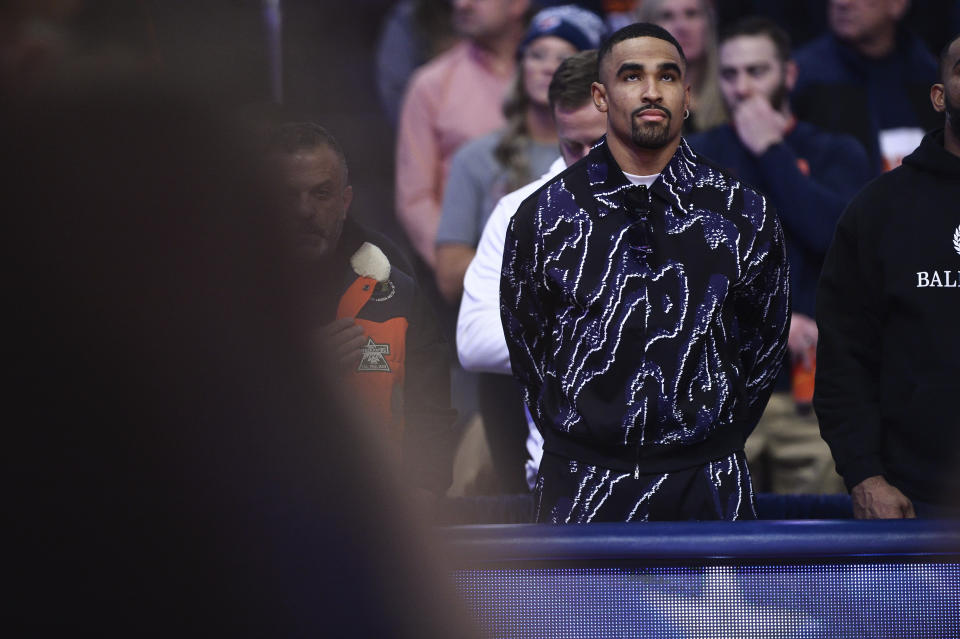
774, 540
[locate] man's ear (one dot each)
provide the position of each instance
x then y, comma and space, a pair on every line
938, 98
790, 72
347, 198
599, 93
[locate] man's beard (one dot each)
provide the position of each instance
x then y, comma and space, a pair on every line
777, 99
650, 135
953, 113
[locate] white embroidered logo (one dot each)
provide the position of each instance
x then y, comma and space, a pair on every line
373, 357
942, 279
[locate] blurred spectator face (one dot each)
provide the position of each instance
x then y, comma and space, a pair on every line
578, 129
540, 59
317, 197
686, 20
749, 66
32, 38
855, 20
479, 19
643, 92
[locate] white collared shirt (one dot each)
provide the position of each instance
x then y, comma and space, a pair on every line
481, 345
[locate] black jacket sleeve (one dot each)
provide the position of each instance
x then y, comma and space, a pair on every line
846, 392
762, 300
428, 417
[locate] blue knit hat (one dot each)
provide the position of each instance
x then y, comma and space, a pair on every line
581, 28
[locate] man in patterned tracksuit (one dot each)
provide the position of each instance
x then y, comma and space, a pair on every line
645, 301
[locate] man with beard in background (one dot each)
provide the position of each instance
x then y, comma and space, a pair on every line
809, 176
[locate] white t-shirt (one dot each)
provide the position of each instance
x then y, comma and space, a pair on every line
645, 180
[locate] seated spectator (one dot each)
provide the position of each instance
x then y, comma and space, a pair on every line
489, 167
868, 77
373, 315
451, 100
809, 176
481, 344
694, 25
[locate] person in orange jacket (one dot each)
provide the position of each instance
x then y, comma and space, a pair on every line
372, 319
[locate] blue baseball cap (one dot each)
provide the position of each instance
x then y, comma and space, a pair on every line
581, 28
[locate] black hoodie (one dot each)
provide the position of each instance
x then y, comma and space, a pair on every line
888, 309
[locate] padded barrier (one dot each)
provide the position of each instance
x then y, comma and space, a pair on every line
803, 579
697, 540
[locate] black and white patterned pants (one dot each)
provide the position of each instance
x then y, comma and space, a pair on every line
568, 491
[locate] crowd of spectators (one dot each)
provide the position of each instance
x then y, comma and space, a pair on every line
803, 109
806, 108
198, 310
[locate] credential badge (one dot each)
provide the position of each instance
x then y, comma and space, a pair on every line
373, 357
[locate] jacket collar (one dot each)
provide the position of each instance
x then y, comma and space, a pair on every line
932, 157
608, 183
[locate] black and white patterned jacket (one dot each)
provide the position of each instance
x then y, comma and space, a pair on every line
656, 361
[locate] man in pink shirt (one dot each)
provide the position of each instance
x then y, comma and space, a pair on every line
450, 100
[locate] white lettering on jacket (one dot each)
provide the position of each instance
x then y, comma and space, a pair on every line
938, 279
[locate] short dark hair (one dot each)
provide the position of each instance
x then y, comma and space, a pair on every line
944, 53
290, 137
760, 26
637, 30
570, 86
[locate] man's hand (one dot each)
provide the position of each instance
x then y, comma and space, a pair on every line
758, 124
342, 341
874, 498
802, 340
